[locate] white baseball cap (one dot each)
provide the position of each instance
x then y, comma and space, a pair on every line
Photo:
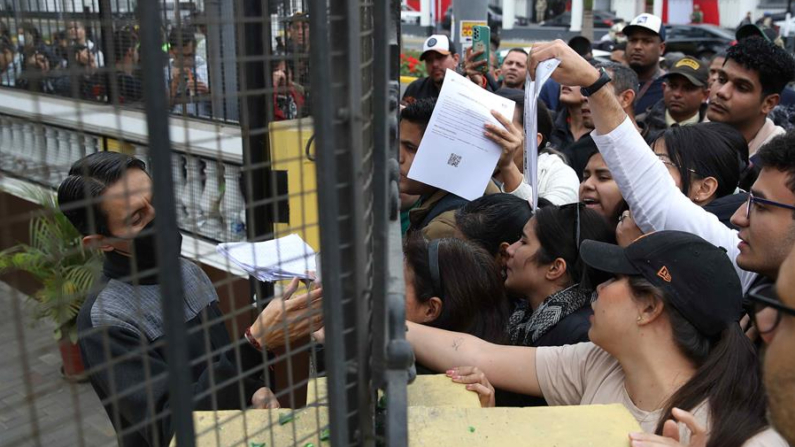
438, 43
648, 22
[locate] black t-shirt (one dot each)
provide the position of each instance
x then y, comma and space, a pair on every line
420, 89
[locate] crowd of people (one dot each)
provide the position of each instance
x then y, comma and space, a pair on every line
656, 270
71, 63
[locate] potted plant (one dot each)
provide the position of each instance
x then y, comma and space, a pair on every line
66, 271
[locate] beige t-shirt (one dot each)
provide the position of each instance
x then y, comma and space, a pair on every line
584, 374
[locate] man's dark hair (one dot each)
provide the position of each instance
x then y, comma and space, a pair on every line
775, 67
181, 36
493, 219
623, 77
79, 196
779, 154
419, 112
516, 50
580, 44
123, 41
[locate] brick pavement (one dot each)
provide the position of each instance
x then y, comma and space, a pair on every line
44, 410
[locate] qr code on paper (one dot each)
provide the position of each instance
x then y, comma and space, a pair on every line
454, 160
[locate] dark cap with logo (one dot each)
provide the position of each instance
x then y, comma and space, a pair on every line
691, 68
698, 277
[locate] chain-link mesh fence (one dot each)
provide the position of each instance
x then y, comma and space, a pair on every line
258, 133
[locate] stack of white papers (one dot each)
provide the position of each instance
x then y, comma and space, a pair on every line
284, 258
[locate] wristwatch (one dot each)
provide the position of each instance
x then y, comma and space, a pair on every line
604, 78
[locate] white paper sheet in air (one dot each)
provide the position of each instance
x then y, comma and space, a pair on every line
532, 88
454, 155
274, 260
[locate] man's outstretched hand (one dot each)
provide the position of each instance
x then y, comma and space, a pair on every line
573, 69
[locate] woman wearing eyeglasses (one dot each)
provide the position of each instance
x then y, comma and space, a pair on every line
706, 162
665, 343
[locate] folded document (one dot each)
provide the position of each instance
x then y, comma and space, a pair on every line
274, 260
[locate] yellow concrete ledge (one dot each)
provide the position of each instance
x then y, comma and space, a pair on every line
407, 79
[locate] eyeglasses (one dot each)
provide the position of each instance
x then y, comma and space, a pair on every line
767, 308
664, 160
752, 199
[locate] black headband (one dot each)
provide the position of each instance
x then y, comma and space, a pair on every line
433, 263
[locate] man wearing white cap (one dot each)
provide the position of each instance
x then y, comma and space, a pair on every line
439, 54
645, 44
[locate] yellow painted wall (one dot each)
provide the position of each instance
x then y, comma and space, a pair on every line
288, 142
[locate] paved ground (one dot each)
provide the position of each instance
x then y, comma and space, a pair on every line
32, 390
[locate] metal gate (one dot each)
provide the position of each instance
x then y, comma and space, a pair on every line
256, 120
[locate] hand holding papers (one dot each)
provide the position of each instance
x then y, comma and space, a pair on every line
454, 155
531, 91
274, 260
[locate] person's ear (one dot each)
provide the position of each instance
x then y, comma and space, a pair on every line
539, 139
457, 58
626, 98
557, 269
650, 310
704, 94
702, 189
770, 102
502, 254
662, 47
433, 308
97, 242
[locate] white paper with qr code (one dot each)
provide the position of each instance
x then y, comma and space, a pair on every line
531, 93
454, 154
283, 258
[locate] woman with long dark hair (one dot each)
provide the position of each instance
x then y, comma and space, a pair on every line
455, 285
665, 343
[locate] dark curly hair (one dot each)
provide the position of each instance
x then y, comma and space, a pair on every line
779, 154
775, 66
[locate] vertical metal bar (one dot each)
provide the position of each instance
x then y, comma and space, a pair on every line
380, 183
109, 47
170, 274
323, 111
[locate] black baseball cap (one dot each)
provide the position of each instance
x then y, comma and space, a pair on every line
691, 68
698, 277
751, 30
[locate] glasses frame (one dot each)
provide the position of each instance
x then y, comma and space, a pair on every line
752, 199
757, 297
671, 163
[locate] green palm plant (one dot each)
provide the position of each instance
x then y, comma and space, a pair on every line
57, 258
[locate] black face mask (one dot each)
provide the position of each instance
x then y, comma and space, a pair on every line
144, 252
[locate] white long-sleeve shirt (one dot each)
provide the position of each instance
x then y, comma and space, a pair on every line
557, 182
656, 203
